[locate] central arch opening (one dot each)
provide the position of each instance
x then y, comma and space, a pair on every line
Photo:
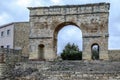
67, 34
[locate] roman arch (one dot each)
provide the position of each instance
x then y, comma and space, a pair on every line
45, 23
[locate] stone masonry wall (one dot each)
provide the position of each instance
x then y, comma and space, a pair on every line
66, 70
114, 55
74, 76
21, 37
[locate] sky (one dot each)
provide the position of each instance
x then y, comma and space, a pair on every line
16, 11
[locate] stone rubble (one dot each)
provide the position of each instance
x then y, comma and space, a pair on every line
65, 70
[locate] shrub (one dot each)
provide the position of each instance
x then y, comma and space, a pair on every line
71, 52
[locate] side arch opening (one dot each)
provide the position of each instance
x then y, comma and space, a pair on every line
41, 51
95, 48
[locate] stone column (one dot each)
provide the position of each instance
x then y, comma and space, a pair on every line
86, 55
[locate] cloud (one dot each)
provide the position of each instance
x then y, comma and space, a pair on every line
4, 18
112, 42
56, 1
68, 35
114, 29
23, 3
29, 3
16, 10
68, 32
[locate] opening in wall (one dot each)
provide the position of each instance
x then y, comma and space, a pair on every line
95, 51
41, 51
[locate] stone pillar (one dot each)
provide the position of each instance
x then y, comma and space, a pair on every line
86, 55
104, 49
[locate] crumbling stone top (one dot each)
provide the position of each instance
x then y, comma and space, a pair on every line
63, 6
70, 9
78, 66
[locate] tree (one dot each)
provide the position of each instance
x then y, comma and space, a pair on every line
71, 52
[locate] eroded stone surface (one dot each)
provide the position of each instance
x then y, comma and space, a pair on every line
45, 23
66, 70
21, 37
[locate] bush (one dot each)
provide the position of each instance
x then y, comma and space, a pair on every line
71, 52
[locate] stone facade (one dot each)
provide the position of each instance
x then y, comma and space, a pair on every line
18, 37
7, 35
45, 23
21, 37
114, 55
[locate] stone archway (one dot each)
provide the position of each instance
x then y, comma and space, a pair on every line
69, 34
45, 22
57, 29
95, 48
